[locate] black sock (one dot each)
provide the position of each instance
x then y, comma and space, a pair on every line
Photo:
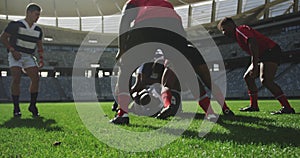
33, 98
15, 99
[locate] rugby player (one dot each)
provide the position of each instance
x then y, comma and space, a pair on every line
265, 58
22, 38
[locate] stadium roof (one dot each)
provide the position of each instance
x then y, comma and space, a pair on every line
104, 15
73, 8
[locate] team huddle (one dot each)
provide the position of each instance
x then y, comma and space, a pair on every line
153, 30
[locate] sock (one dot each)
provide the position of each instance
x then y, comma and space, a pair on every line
283, 100
166, 96
204, 103
33, 97
225, 107
253, 98
221, 100
122, 113
123, 100
15, 99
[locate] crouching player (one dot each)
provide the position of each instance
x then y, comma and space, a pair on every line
147, 87
265, 55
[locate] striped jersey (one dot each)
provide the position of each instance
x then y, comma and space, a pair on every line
23, 38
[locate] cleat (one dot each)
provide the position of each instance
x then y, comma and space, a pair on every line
17, 114
167, 112
120, 120
33, 109
284, 110
228, 112
211, 117
249, 108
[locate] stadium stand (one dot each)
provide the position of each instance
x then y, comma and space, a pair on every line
66, 85
63, 45
49, 90
236, 87
105, 89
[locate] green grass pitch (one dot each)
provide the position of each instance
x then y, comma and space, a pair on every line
256, 134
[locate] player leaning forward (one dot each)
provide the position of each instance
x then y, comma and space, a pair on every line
21, 38
265, 55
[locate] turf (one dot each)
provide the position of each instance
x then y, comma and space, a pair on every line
256, 134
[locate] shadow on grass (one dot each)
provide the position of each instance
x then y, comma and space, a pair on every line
38, 123
242, 130
249, 129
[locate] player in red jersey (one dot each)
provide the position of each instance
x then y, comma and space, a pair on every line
265, 55
147, 87
156, 22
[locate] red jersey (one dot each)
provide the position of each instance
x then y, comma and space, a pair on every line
153, 9
244, 32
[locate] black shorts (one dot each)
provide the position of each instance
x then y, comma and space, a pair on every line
176, 40
271, 55
152, 73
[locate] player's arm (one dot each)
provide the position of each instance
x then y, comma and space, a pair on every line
5, 40
128, 16
40, 51
253, 46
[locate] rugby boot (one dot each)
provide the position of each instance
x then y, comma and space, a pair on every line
284, 110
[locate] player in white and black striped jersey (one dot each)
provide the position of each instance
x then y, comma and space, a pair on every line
22, 38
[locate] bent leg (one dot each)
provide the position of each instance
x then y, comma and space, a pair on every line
15, 89
204, 74
170, 83
267, 78
16, 79
252, 90
33, 74
170, 88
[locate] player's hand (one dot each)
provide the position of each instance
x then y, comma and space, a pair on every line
254, 72
16, 55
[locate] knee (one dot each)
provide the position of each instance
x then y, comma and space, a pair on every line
35, 79
247, 78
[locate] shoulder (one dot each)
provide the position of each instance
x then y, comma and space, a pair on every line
38, 28
13, 26
15, 23
244, 28
131, 4
245, 31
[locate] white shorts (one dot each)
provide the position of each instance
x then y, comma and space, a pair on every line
26, 61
